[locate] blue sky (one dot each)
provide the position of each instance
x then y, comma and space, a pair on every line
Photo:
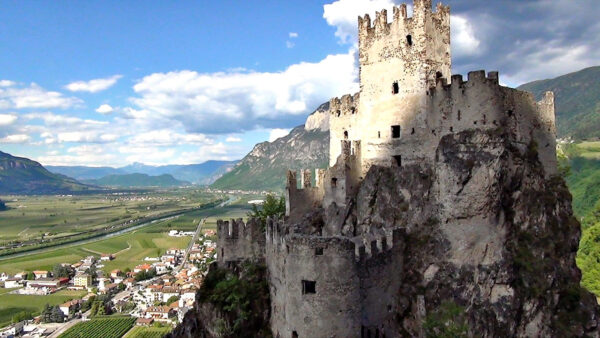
162, 82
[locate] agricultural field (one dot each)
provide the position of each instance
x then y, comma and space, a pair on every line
104, 327
129, 249
12, 304
589, 149
33, 217
238, 208
147, 332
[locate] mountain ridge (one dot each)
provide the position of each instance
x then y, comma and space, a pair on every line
20, 175
201, 173
138, 180
577, 101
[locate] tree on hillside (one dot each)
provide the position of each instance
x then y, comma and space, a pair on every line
2, 206
271, 207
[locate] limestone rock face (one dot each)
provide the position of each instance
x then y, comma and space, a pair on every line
487, 232
319, 119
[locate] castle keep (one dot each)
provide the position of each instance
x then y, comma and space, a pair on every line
334, 268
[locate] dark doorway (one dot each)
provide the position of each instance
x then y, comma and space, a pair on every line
395, 131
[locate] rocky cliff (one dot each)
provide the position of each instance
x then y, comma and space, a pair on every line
490, 243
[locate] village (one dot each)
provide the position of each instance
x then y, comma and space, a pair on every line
157, 293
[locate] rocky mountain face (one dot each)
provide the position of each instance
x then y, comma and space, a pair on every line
265, 167
488, 234
20, 175
489, 245
577, 98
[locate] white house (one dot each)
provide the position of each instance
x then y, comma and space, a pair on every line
161, 268
12, 283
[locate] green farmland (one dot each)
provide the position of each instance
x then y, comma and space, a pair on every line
104, 327
12, 304
129, 249
147, 332
31, 218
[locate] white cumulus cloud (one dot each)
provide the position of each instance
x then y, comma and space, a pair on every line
464, 42
17, 138
93, 86
34, 96
232, 139
227, 102
7, 119
6, 83
105, 109
277, 133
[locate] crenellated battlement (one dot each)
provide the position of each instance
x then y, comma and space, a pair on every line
401, 23
360, 249
371, 248
306, 176
346, 105
238, 240
474, 79
236, 228
301, 200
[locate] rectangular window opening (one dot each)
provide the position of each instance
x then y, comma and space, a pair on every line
395, 131
398, 160
395, 88
319, 251
334, 182
309, 287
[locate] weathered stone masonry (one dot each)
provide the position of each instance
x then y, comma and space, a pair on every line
335, 268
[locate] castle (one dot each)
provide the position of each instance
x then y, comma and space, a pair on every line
333, 275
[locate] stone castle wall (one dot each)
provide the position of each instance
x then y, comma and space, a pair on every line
329, 282
478, 103
355, 285
238, 241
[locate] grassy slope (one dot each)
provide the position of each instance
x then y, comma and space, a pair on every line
577, 101
12, 304
584, 184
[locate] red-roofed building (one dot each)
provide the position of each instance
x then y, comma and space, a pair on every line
143, 267
161, 313
144, 321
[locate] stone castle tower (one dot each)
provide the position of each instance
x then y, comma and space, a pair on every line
399, 62
333, 270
